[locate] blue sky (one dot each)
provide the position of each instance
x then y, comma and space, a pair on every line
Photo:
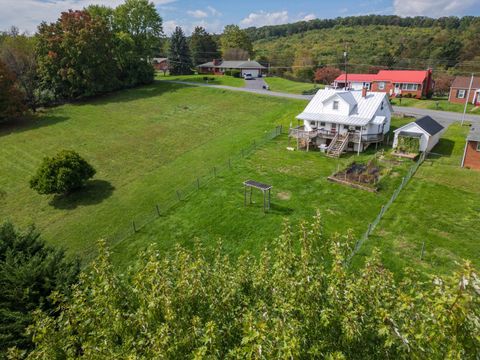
214, 15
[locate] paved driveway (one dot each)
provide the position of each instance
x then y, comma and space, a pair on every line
255, 83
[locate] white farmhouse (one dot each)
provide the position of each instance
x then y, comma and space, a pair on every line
338, 121
425, 129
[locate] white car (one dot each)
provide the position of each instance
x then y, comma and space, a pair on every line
248, 76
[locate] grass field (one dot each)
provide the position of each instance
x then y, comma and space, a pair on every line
441, 207
288, 86
144, 144
300, 186
431, 104
218, 79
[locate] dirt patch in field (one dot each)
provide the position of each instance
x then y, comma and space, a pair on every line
284, 195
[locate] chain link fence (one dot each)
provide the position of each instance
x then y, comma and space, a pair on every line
384, 209
175, 197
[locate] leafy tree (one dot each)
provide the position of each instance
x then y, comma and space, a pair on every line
203, 46
293, 301
442, 84
62, 173
141, 21
18, 54
326, 75
235, 38
179, 54
75, 56
303, 66
11, 99
30, 272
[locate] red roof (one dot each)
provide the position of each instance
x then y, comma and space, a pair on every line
394, 76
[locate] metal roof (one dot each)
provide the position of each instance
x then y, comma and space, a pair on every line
463, 82
410, 134
234, 64
474, 134
362, 114
429, 125
394, 76
378, 120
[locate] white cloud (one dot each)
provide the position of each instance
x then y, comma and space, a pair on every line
214, 11
169, 26
263, 18
199, 14
309, 17
28, 14
434, 8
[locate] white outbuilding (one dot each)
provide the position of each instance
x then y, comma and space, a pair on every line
424, 133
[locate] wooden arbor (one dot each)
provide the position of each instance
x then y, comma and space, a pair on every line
257, 185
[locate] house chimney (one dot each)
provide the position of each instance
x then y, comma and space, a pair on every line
364, 92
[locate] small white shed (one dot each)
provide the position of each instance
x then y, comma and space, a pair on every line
425, 129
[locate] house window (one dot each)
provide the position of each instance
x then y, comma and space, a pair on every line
478, 146
335, 105
357, 128
381, 107
381, 85
345, 127
410, 87
312, 123
366, 85
461, 94
322, 124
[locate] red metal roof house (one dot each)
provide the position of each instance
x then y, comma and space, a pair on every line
418, 83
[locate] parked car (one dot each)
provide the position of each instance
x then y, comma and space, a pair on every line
248, 76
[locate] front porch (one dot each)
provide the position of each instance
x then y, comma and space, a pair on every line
333, 142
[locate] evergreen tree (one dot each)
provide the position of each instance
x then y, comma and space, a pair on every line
179, 54
203, 46
29, 272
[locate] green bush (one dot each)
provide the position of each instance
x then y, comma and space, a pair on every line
61, 174
409, 145
296, 300
235, 73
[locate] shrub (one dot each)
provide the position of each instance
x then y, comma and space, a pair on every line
235, 73
296, 300
62, 173
311, 91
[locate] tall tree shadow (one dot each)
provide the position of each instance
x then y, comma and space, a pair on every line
31, 122
94, 192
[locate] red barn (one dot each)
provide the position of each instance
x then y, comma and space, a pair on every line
417, 83
459, 90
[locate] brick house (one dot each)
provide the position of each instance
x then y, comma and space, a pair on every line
471, 154
160, 64
220, 67
459, 90
414, 83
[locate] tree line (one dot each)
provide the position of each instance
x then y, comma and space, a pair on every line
84, 53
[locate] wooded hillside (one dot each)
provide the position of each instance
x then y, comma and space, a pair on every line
447, 44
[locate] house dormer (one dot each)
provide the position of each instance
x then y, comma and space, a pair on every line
341, 103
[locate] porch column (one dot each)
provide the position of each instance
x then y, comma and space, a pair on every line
359, 141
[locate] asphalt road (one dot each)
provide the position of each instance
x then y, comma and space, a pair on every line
444, 117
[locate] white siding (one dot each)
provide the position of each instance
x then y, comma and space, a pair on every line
253, 72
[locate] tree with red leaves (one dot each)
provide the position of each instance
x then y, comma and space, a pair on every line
11, 99
326, 75
442, 84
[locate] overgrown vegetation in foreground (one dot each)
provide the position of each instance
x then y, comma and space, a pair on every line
297, 300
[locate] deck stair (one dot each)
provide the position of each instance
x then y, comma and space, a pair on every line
337, 146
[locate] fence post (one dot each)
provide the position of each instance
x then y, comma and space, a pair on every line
134, 227
158, 210
369, 229
382, 211
281, 129
179, 195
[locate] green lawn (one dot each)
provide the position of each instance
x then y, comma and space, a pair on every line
441, 207
288, 86
144, 143
300, 186
431, 104
218, 79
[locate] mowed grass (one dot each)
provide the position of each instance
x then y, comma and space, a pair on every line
199, 78
288, 86
440, 208
144, 144
300, 187
436, 104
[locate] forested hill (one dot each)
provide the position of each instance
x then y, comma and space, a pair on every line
448, 44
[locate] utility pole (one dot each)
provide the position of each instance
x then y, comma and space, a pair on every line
345, 57
466, 99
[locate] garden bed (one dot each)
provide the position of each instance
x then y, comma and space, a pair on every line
364, 176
